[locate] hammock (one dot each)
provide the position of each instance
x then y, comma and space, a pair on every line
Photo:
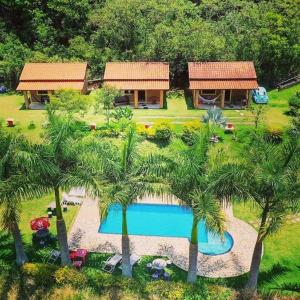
208, 101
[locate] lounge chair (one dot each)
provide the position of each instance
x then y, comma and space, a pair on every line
54, 255
110, 264
134, 259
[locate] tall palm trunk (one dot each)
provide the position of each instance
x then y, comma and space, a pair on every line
61, 231
21, 256
126, 267
251, 285
193, 253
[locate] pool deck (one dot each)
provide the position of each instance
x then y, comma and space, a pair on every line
84, 234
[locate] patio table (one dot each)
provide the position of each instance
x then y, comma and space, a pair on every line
81, 254
159, 264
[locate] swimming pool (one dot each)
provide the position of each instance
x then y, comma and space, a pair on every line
164, 220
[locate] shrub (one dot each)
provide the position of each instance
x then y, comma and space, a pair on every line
175, 94
38, 274
122, 113
163, 130
274, 135
160, 131
70, 276
31, 125
190, 132
111, 132
166, 290
69, 293
294, 104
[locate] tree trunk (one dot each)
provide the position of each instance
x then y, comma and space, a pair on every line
126, 267
61, 231
193, 253
251, 285
21, 257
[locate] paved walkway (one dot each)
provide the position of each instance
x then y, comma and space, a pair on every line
84, 234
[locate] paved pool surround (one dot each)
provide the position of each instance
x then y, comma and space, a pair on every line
84, 234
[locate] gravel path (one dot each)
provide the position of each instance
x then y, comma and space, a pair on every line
84, 234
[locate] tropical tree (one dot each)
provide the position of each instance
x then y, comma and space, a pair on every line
105, 98
126, 175
15, 186
269, 175
62, 158
70, 101
189, 182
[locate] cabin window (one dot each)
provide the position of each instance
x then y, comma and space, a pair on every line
128, 92
42, 92
208, 92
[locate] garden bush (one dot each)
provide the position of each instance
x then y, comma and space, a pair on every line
38, 275
294, 104
108, 131
163, 131
274, 135
166, 290
191, 131
70, 276
31, 125
160, 131
175, 94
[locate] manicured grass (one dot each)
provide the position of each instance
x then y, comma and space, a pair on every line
280, 268
178, 111
35, 208
280, 264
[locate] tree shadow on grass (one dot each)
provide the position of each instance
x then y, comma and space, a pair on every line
189, 100
266, 277
8, 269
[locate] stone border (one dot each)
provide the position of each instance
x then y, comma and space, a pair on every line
84, 234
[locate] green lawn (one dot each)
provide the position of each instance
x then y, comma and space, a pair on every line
280, 270
178, 111
38, 208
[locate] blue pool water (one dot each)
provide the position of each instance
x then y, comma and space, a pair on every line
164, 220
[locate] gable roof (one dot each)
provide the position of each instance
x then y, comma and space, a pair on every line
137, 75
52, 76
222, 75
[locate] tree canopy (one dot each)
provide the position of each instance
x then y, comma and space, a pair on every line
179, 31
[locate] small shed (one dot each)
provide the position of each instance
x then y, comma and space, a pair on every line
143, 83
39, 80
224, 84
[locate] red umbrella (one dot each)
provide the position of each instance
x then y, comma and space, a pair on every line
40, 223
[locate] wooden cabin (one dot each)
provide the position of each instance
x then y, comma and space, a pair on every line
222, 84
39, 80
143, 83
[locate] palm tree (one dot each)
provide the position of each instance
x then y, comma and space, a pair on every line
15, 185
188, 182
126, 176
269, 176
60, 165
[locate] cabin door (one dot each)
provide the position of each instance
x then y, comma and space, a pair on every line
142, 96
227, 96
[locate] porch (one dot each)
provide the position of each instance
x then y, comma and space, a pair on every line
36, 99
144, 99
225, 99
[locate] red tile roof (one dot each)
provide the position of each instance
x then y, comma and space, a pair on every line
49, 85
222, 75
52, 76
137, 75
139, 84
223, 84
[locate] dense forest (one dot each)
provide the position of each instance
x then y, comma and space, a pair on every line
177, 31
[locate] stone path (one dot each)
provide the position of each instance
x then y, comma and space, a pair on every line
84, 234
